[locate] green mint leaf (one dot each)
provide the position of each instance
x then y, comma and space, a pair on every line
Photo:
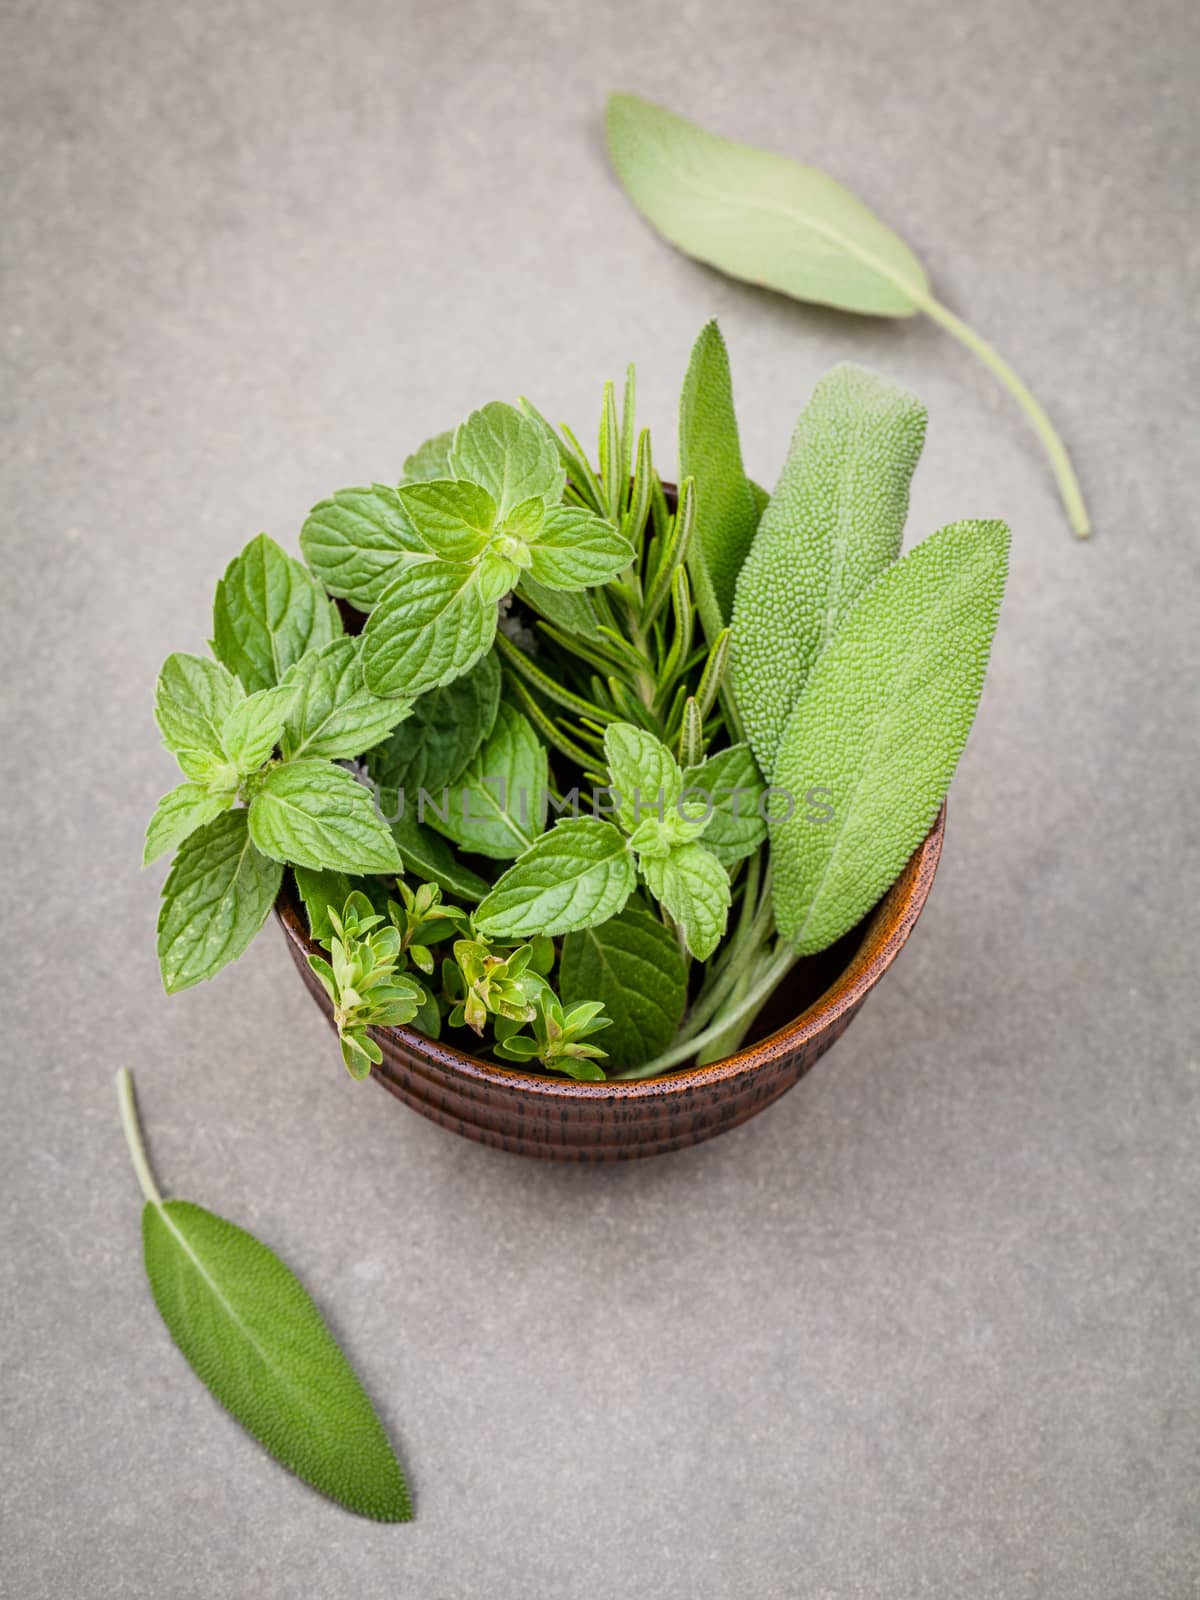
645, 776
356, 542
254, 727
834, 523
710, 453
525, 521
632, 964
428, 856
216, 898
313, 814
432, 625
455, 520
179, 814
333, 713
510, 455
269, 609
442, 733
880, 726
730, 786
575, 549
694, 887
576, 875
319, 891
192, 699
497, 807
571, 611
430, 460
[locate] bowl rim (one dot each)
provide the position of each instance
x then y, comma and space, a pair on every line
886, 929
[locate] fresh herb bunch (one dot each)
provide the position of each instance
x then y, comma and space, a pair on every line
743, 710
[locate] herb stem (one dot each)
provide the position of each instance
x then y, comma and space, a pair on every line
133, 1137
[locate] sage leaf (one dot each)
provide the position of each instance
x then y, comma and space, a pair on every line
632, 964
693, 886
430, 460
216, 898
252, 1335
497, 807
254, 727
835, 521
443, 731
645, 776
710, 453
881, 724
576, 875
575, 549
431, 625
510, 455
268, 610
179, 814
355, 541
430, 858
319, 891
313, 814
729, 785
770, 220
192, 699
333, 713
456, 520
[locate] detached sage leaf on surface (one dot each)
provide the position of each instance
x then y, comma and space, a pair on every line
835, 521
443, 731
510, 454
333, 713
575, 549
430, 460
254, 727
354, 541
427, 855
430, 626
313, 814
217, 896
730, 786
881, 724
269, 609
497, 806
632, 964
192, 700
710, 453
254, 1338
765, 218
576, 875
179, 814
694, 887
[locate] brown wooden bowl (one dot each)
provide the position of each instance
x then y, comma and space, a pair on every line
561, 1120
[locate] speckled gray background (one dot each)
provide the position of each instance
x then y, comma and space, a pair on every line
927, 1328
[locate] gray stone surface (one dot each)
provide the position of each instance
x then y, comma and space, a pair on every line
927, 1328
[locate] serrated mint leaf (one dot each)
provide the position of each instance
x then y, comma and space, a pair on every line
497, 807
571, 611
576, 875
192, 699
632, 964
313, 814
216, 898
180, 813
333, 713
430, 460
254, 727
834, 523
880, 726
443, 731
319, 891
510, 455
456, 520
430, 626
268, 610
575, 549
645, 776
427, 855
731, 788
357, 541
525, 521
694, 887
710, 453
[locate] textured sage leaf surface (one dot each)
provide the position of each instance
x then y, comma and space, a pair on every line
427, 854
576, 875
510, 455
444, 730
730, 786
881, 725
760, 216
430, 626
216, 898
694, 887
354, 541
252, 1334
633, 965
333, 713
834, 522
269, 609
313, 814
497, 806
710, 453
192, 700
179, 814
